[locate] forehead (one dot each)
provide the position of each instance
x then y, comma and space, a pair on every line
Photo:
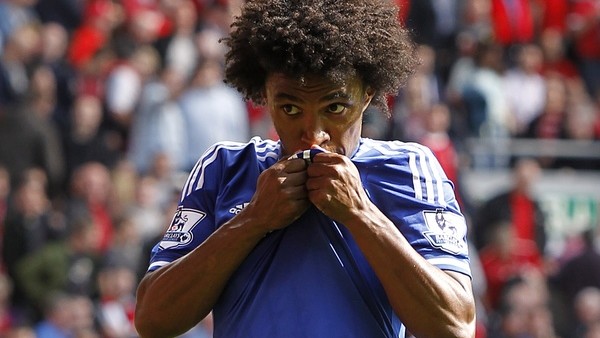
311, 84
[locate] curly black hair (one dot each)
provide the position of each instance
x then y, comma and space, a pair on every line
331, 38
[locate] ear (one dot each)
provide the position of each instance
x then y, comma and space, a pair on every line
369, 94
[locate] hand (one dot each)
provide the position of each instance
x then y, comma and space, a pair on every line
280, 196
335, 188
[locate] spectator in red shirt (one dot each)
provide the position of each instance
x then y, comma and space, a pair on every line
436, 137
553, 44
515, 206
512, 22
91, 197
584, 24
100, 19
553, 14
505, 258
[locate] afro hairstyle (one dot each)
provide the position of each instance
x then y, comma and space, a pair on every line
330, 38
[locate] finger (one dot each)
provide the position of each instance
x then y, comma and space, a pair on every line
295, 165
294, 179
326, 156
296, 193
323, 167
316, 183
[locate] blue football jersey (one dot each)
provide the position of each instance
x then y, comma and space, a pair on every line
310, 279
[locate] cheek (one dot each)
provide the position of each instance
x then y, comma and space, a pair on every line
345, 134
350, 132
350, 125
283, 126
288, 132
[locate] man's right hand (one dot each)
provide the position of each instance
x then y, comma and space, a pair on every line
281, 196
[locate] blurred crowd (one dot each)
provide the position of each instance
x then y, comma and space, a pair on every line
105, 105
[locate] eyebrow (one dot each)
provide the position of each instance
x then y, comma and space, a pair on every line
336, 95
289, 97
328, 97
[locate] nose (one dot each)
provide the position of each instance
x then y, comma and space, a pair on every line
314, 131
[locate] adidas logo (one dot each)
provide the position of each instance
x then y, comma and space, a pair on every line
236, 210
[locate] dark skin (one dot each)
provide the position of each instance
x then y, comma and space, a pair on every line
311, 113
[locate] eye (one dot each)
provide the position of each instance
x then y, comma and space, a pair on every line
336, 108
290, 109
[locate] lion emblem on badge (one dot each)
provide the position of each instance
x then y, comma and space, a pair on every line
180, 231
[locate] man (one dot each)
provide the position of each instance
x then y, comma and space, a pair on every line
352, 237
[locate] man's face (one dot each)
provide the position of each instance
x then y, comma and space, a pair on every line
317, 112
